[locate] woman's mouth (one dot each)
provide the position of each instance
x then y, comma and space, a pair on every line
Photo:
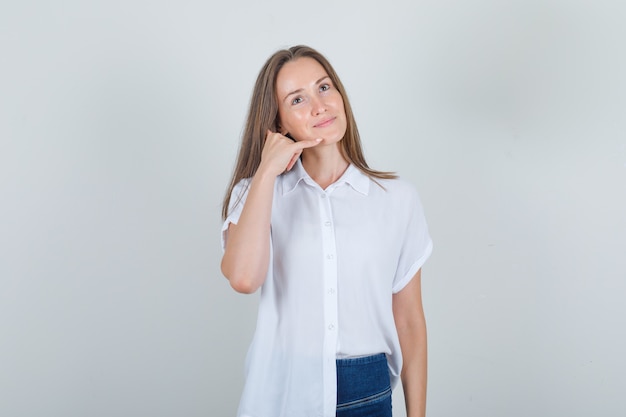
326, 122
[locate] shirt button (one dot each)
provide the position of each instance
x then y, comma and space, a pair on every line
331, 291
323, 195
327, 224
329, 256
331, 326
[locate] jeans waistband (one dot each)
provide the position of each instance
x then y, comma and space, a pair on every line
362, 360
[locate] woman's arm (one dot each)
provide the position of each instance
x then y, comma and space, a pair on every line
411, 325
246, 255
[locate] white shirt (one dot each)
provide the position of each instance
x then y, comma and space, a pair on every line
337, 256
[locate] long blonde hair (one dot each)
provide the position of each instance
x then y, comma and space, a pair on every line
263, 115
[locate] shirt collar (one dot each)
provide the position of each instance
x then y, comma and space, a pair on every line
353, 177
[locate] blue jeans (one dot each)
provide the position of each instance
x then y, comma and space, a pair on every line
363, 387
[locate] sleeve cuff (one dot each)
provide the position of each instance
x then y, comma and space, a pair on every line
413, 269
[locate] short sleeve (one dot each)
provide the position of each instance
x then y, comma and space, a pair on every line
235, 207
416, 242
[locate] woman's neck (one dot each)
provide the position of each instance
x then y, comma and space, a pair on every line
324, 164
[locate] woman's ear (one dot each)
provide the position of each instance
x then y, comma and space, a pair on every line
283, 131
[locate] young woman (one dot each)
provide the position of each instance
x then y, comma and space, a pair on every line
336, 248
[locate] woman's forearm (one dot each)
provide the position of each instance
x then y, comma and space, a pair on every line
414, 372
246, 255
408, 314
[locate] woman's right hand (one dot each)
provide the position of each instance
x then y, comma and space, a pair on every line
281, 153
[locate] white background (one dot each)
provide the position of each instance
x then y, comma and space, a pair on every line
119, 126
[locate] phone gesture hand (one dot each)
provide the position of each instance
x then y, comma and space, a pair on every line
281, 153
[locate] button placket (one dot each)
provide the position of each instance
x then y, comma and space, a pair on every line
330, 303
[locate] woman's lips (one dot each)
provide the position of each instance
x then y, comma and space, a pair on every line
325, 123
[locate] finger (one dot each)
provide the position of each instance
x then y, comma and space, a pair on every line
308, 143
269, 134
293, 161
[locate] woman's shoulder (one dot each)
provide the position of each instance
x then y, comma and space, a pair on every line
398, 186
400, 197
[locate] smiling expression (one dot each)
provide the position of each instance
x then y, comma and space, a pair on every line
309, 105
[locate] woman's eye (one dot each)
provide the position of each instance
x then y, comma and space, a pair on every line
324, 87
296, 100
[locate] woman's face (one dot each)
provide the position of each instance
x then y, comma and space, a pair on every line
309, 105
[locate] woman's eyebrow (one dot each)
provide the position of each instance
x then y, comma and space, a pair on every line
299, 90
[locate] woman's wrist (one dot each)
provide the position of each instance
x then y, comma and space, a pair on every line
264, 173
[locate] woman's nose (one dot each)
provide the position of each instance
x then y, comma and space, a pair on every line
317, 105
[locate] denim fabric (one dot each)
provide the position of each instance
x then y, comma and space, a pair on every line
363, 387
